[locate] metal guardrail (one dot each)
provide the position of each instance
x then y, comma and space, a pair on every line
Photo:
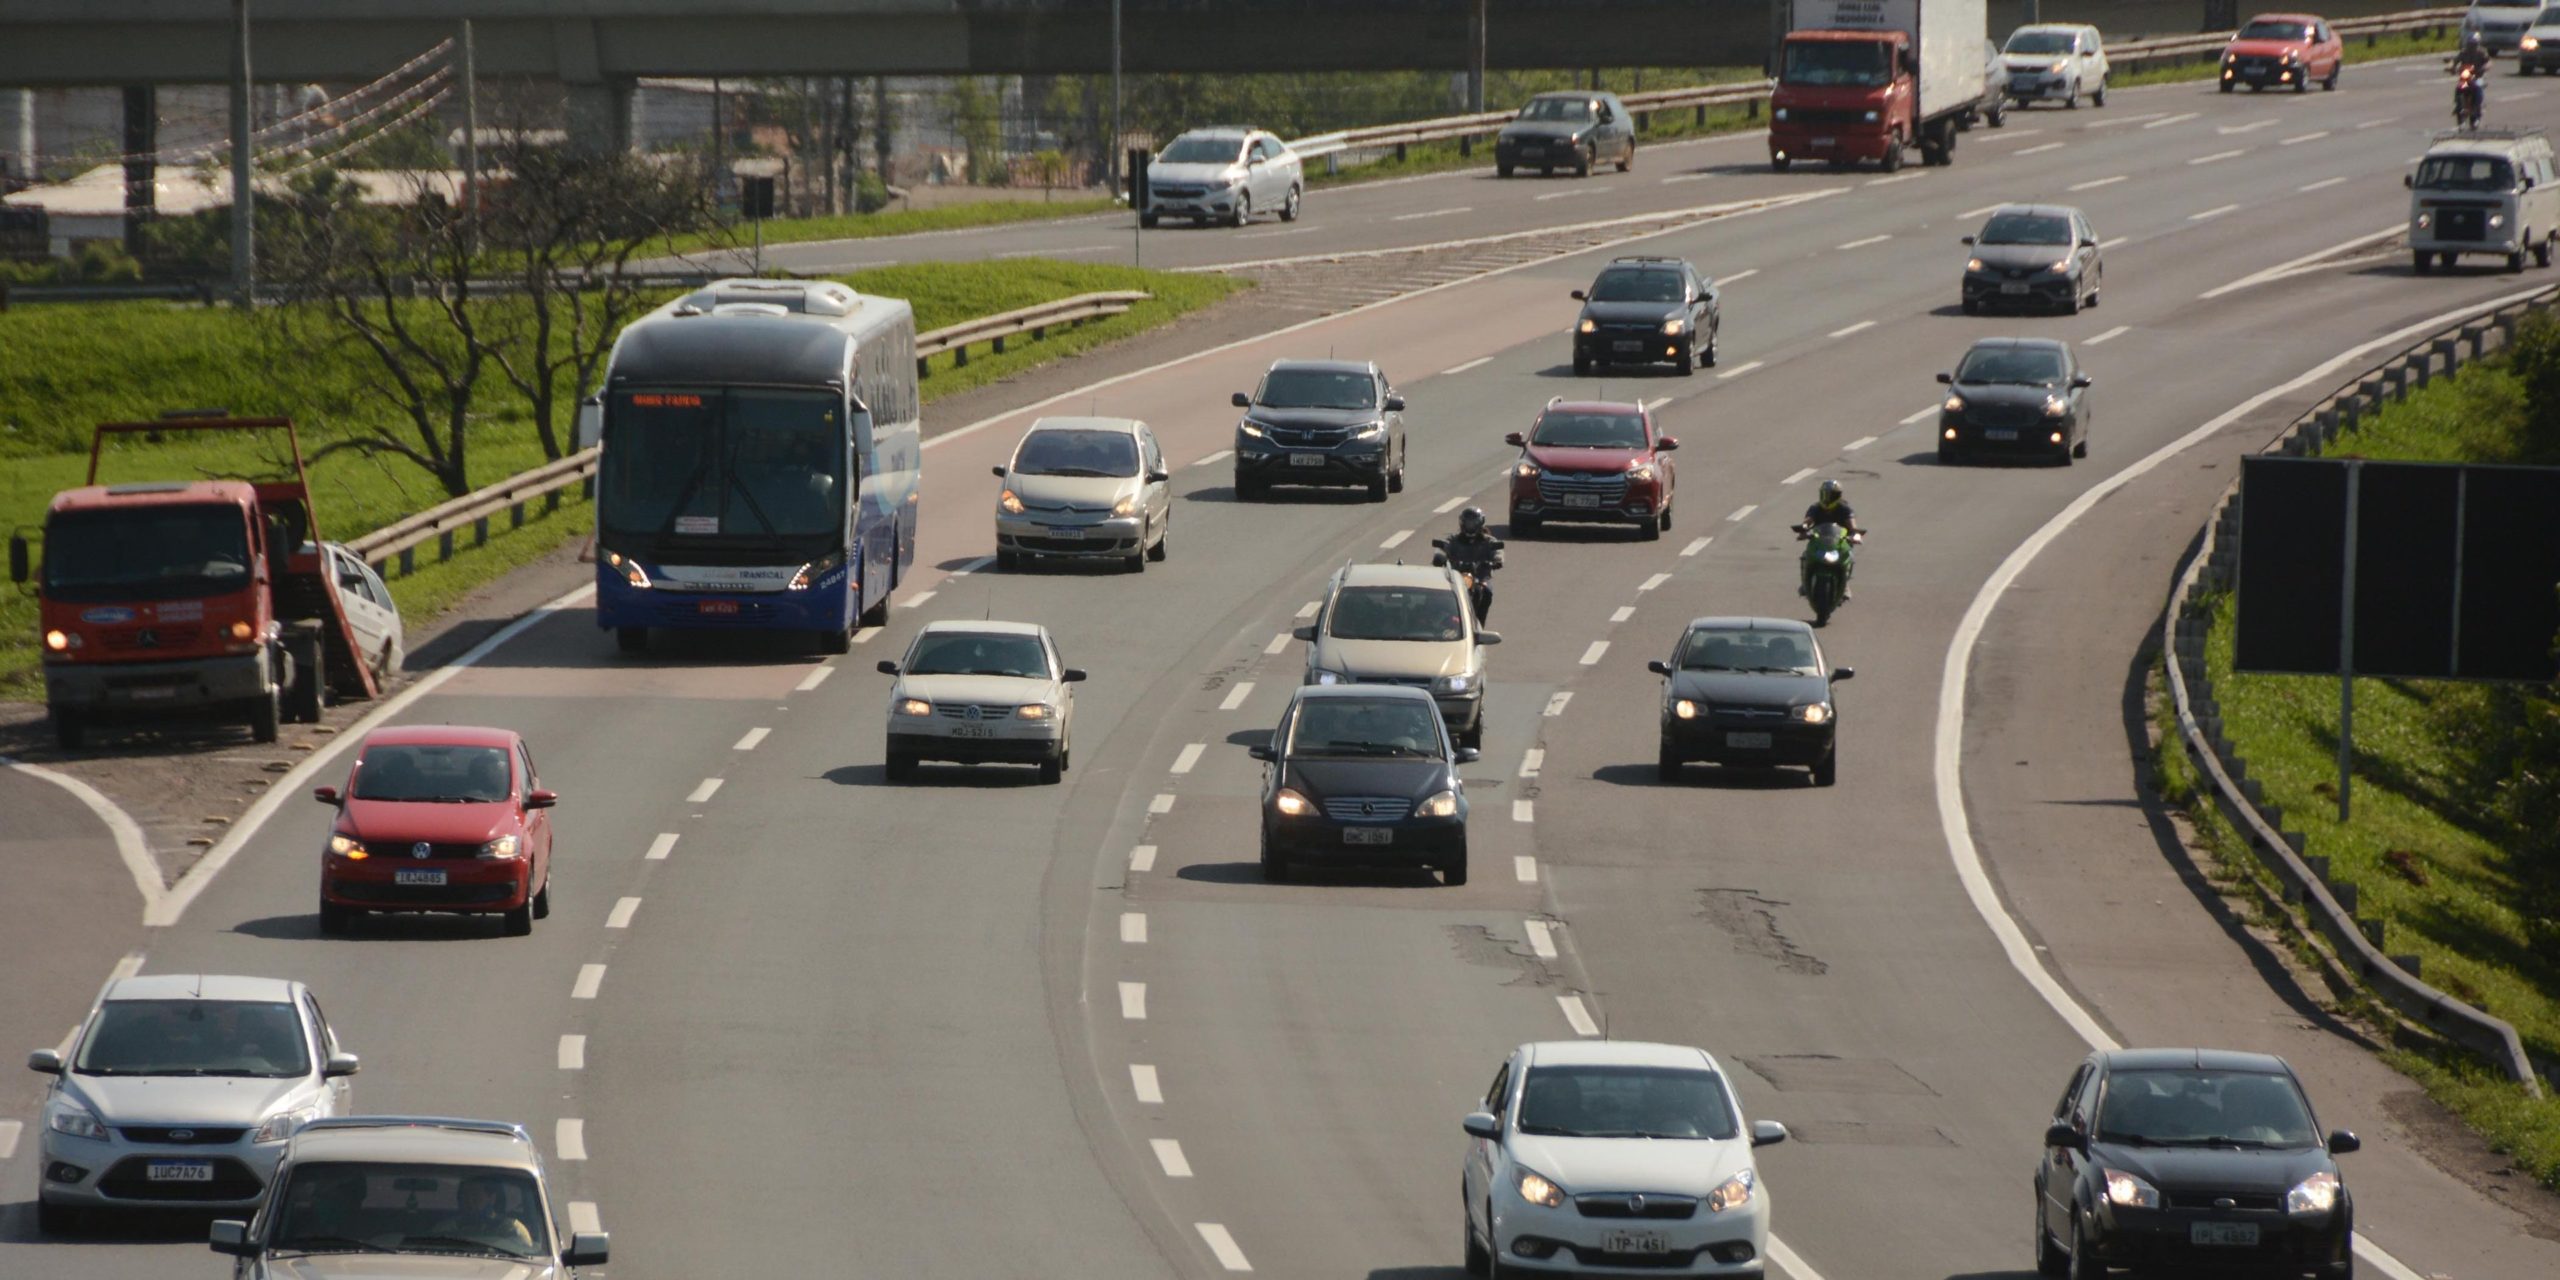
2329, 907
2209, 44
1034, 320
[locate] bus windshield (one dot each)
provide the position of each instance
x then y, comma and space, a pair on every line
159, 552
754, 464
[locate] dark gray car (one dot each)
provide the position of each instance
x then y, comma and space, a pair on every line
1748, 691
1647, 310
1321, 422
2034, 256
1575, 129
2026, 397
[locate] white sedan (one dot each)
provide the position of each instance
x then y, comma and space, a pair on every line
1601, 1155
981, 692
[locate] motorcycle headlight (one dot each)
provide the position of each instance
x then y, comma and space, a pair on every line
502, 847
1732, 1193
1779, 115
1674, 325
1871, 117
1251, 428
1035, 711
349, 847
76, 1120
629, 568
914, 707
1291, 804
1369, 431
1452, 684
1125, 507
1589, 326
2132, 1192
1009, 504
1831, 557
1441, 805
1525, 470
1814, 713
1973, 264
2056, 406
2315, 1194
1685, 709
1954, 404
1536, 1189
281, 1125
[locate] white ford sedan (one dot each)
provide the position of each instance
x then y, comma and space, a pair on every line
981, 692
1598, 1156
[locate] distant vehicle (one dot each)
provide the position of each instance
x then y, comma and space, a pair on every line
2484, 191
2034, 255
1751, 692
372, 614
2055, 60
1321, 422
2191, 1160
1864, 79
761, 460
465, 1199
1593, 460
1403, 624
982, 693
1647, 310
1604, 1156
1572, 129
2501, 27
2015, 396
2539, 48
438, 818
1085, 488
179, 1091
1224, 174
2284, 50
1995, 106
1363, 775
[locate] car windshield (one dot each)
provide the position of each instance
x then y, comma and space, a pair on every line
2192, 1107
145, 553
978, 653
350, 1207
2040, 42
428, 774
2025, 228
1366, 727
1625, 1102
1567, 110
1077, 453
2465, 173
1395, 613
2018, 366
1317, 389
1637, 286
260, 1038
2548, 17
2265, 30
1577, 430
1865, 63
759, 464
1741, 649
1203, 151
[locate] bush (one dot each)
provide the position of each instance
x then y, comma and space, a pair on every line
2535, 358
870, 194
98, 262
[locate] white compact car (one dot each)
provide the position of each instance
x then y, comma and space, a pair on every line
2055, 61
982, 692
370, 610
1225, 174
1597, 1155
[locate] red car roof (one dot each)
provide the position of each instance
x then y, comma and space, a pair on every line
1596, 406
440, 735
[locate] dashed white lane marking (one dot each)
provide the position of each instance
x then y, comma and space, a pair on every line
1308, 610
867, 634
1591, 656
573, 1053
1478, 362
1651, 405
2304, 137
2375, 124
1395, 540
1578, 1016
917, 600
1542, 940
2170, 120
1223, 1245
1143, 1082
1862, 442
2109, 244
1695, 546
1278, 643
1624, 612
1902, 177
1435, 213
1855, 328
1524, 811
709, 788
2215, 212
125, 968
662, 846
1524, 869
1571, 193
1737, 371
1236, 696
1530, 760
1555, 703
1133, 927
590, 977
1190, 756
2095, 183
1142, 858
1218, 457
620, 916
2041, 146
1805, 474
1916, 417
1744, 274
973, 566
1863, 241
1976, 213
814, 679
2219, 155
2246, 128
1451, 505
1169, 1154
62, 1047
583, 1218
1163, 803
2324, 182
572, 1140
1742, 514
9, 1138
752, 737
1133, 1001
2117, 332
1686, 177
2518, 96
2124, 120
1654, 581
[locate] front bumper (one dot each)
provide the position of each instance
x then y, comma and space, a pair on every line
2036, 439
1640, 346
825, 606
1631, 503
146, 688
115, 1173
476, 885
2265, 72
1561, 1241
1846, 142
1349, 463
1187, 203
1008, 742
2166, 1239
2041, 289
1419, 842
1748, 740
2039, 86
1537, 154
1118, 537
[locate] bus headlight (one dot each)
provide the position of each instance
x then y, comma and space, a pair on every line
629, 568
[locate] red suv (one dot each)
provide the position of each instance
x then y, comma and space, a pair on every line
439, 818
1592, 460
2287, 50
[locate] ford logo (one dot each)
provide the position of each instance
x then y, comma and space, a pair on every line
421, 849
107, 614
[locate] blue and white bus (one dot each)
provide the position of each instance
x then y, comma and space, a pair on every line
761, 457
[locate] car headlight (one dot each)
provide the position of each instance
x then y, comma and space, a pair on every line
2315, 1194
1685, 709
1369, 431
630, 569
1954, 404
349, 847
2426, 220
59, 641
1871, 117
1035, 711
2125, 1189
2059, 67
1291, 804
1973, 264
1535, 1189
1452, 684
1441, 805
2056, 406
1674, 326
1732, 1193
1322, 676
1251, 428
1525, 470
914, 707
1780, 114
2497, 220
2530, 42
2060, 267
1589, 326
1009, 504
281, 1125
75, 1120
502, 847
1126, 506
1640, 470
1831, 557
2290, 57
1814, 713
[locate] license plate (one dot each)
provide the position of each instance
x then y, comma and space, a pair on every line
1064, 535
1826, 142
717, 606
1999, 435
1306, 459
972, 731
1635, 1242
1627, 347
1747, 741
417, 877
2012, 287
1368, 835
1580, 500
162, 691
195, 1171
1533, 151
2235, 1234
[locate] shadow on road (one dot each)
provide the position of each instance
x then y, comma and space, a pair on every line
936, 775
1302, 874
1727, 777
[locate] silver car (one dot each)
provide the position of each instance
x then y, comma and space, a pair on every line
180, 1090
1224, 174
982, 693
1092, 488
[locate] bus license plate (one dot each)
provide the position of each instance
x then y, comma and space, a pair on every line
718, 606
1635, 1242
2241, 1234
1747, 741
417, 877
1368, 835
183, 1171
1306, 459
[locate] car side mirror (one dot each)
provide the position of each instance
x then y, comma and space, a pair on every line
541, 798
1439, 559
1516, 440
888, 667
1469, 755
18, 558
2409, 180
2087, 243
1666, 444
1072, 675
1948, 379
1158, 477
1303, 633
1260, 751
588, 1249
1241, 400
1578, 296
328, 796
2080, 380
590, 422
1481, 1124
1488, 637
1767, 1133
1844, 673
1252, 161
2063, 1135
46, 1061
2343, 1141
231, 1236
1966, 240
1395, 404
340, 1064
999, 470
1658, 667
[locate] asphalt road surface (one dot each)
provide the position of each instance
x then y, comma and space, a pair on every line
977, 1027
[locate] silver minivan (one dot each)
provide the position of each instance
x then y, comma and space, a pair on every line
2484, 191
1090, 488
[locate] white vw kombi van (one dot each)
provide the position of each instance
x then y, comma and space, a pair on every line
2484, 191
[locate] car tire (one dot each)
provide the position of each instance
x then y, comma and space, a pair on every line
69, 731
1971, 307
1008, 561
2226, 86
59, 1219
2050, 1259
2076, 1262
1243, 211
835, 640
1164, 543
1581, 365
336, 921
1586, 162
2071, 100
2542, 252
1650, 530
1275, 869
518, 921
266, 714
2515, 266
1778, 164
1289, 207
1665, 519
1378, 488
1826, 771
2330, 85
1997, 114
898, 765
2303, 85
2422, 261
2080, 447
1687, 366
2098, 96
1479, 1257
2343, 1271
1707, 358
1946, 454
1148, 220
1525, 526
542, 900
1474, 735
1454, 874
1627, 162
1667, 764
1502, 170
1892, 162
1546, 171
1248, 489
1053, 768
1395, 478
631, 639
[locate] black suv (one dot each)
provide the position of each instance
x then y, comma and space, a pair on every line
1647, 311
1321, 422
1749, 691
1573, 129
1363, 775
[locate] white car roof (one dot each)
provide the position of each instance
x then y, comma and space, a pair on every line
948, 627
1083, 424
193, 986
1618, 1053
1394, 575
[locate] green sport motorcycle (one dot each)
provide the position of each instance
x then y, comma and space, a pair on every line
1829, 559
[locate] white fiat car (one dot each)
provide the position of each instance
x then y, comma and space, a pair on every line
982, 692
1596, 1155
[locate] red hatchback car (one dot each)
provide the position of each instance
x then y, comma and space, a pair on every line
439, 818
1592, 460
2285, 51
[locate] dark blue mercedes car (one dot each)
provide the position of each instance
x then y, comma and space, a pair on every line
1363, 775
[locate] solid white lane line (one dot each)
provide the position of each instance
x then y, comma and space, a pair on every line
133, 849
1169, 1154
1861, 442
917, 600
2304, 137
2219, 155
1395, 539
1163, 803
2292, 265
590, 977
1143, 1082
1805, 474
1737, 371
1695, 546
814, 679
1236, 696
9, 1138
1530, 760
1794, 1263
1478, 362
2214, 212
1742, 514
1744, 274
709, 788
2518, 96
1524, 869
1591, 656
1223, 1245
2123, 120
1133, 1001
1863, 241
1576, 1014
1976, 213
1686, 177
2321, 184
1842, 333
583, 1218
1915, 417
2095, 183
1570, 193
2116, 332
1451, 505
662, 846
572, 1140
620, 916
1133, 927
867, 634
2246, 128
2170, 120
751, 738
1278, 643
1189, 757
1220, 456
1524, 811
1435, 213
1142, 858
1308, 610
1055, 253
2041, 146
573, 1053
1624, 612
1556, 701
2109, 244
1542, 940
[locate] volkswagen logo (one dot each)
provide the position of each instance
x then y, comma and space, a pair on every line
1635, 1204
975, 714
182, 1135
421, 849
1367, 808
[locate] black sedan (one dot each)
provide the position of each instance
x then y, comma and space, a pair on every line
1647, 311
1749, 691
2191, 1161
1321, 422
1363, 775
2024, 397
2034, 256
1571, 129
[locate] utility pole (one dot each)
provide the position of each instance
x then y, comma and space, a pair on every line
1113, 151
244, 282
1476, 24
470, 125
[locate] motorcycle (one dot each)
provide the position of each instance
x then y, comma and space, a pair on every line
1829, 559
2467, 96
1477, 572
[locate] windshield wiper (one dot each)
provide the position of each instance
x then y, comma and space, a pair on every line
456, 1244
1771, 671
2130, 1140
1074, 471
1372, 749
333, 1244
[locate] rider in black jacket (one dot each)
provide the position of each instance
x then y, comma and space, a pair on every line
1830, 506
1476, 551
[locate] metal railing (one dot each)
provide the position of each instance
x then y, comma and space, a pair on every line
1034, 320
2209, 44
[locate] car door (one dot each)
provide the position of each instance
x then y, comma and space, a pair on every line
2331, 50
335, 1089
1622, 123
1066, 691
1270, 185
1483, 1154
1394, 418
2053, 1179
2093, 268
2094, 52
1159, 493
537, 822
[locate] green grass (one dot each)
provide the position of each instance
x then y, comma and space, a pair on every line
64, 368
2397, 46
895, 222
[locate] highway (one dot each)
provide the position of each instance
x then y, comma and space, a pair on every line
787, 1018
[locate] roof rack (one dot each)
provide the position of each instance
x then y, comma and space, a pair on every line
1645, 257
2498, 133
494, 1128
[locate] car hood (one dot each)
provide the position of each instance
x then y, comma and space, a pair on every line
2264, 48
1072, 491
2213, 1169
1749, 689
212, 1102
1008, 689
2003, 395
400, 820
1631, 312
1368, 776
1662, 1166
1313, 419
1546, 130
2021, 255
415, 1266
1214, 175
1392, 659
1560, 458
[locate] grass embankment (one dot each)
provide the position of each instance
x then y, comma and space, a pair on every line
65, 368
2436, 851
2409, 45
893, 222
1665, 126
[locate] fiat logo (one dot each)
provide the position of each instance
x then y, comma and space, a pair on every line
421, 849
1635, 1204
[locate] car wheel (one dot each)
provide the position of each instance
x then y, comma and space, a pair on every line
59, 1219
2071, 305
631, 639
1163, 546
2098, 96
518, 921
2343, 1271
898, 765
2330, 85
69, 731
1589, 159
2542, 252
1971, 307
1666, 764
1454, 873
1650, 530
2226, 86
1707, 358
2422, 261
1502, 171
1378, 488
2080, 447
1275, 869
542, 900
1289, 207
1827, 770
266, 714
1893, 145
836, 640
1998, 115
1479, 1257
2071, 100
1244, 211
1686, 366
1008, 561
1946, 454
1525, 526
2078, 1265
2515, 266
1778, 164
1627, 162
1581, 365
335, 920
1148, 220
2050, 1259
2303, 85
1136, 561
1395, 478
1666, 517
1053, 768
1546, 171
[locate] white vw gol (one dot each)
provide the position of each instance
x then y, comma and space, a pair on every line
982, 692
1598, 1156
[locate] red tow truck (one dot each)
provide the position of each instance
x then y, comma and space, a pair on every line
189, 598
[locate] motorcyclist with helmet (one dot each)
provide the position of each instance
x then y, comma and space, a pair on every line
1830, 506
2474, 56
1476, 553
